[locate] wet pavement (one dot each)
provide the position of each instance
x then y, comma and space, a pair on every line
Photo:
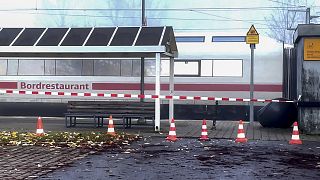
155, 158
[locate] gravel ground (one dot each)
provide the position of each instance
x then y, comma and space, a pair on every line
155, 158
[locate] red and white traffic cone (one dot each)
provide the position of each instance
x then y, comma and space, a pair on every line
295, 139
172, 133
204, 132
241, 137
40, 131
111, 126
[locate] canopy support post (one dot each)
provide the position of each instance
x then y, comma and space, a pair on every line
157, 92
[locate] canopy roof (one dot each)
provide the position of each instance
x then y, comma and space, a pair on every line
95, 42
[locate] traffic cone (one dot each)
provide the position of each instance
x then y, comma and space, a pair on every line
39, 131
172, 133
241, 137
204, 132
111, 126
295, 139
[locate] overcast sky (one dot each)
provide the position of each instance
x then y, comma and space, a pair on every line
184, 15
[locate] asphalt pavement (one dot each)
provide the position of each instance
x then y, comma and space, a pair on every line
155, 158
267, 155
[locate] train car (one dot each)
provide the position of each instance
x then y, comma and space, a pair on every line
208, 64
224, 65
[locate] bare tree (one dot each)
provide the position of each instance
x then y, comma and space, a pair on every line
126, 12
282, 21
123, 13
116, 13
57, 13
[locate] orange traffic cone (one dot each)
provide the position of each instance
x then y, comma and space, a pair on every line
111, 127
204, 132
172, 133
39, 131
295, 135
241, 137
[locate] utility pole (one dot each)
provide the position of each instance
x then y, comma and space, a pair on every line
143, 13
308, 16
307, 20
143, 23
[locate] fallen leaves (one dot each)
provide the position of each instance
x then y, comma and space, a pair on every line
90, 140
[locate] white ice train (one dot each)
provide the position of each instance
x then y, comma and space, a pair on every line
208, 64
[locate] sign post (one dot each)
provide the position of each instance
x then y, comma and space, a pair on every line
252, 38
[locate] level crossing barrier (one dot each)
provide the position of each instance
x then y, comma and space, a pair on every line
136, 96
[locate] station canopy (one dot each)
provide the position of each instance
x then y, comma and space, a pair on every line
95, 42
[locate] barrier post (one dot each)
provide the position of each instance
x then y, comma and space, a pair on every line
171, 89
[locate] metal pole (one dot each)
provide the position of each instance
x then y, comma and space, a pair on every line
143, 23
142, 77
171, 89
252, 47
157, 101
143, 13
308, 16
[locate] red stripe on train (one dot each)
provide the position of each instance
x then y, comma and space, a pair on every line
190, 87
8, 85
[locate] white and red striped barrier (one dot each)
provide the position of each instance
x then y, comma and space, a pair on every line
138, 96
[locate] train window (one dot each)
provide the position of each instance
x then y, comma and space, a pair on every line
186, 68
150, 67
126, 67
110, 67
87, 67
3, 67
136, 69
206, 67
165, 68
189, 38
68, 67
50, 67
227, 67
228, 39
31, 67
12, 67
